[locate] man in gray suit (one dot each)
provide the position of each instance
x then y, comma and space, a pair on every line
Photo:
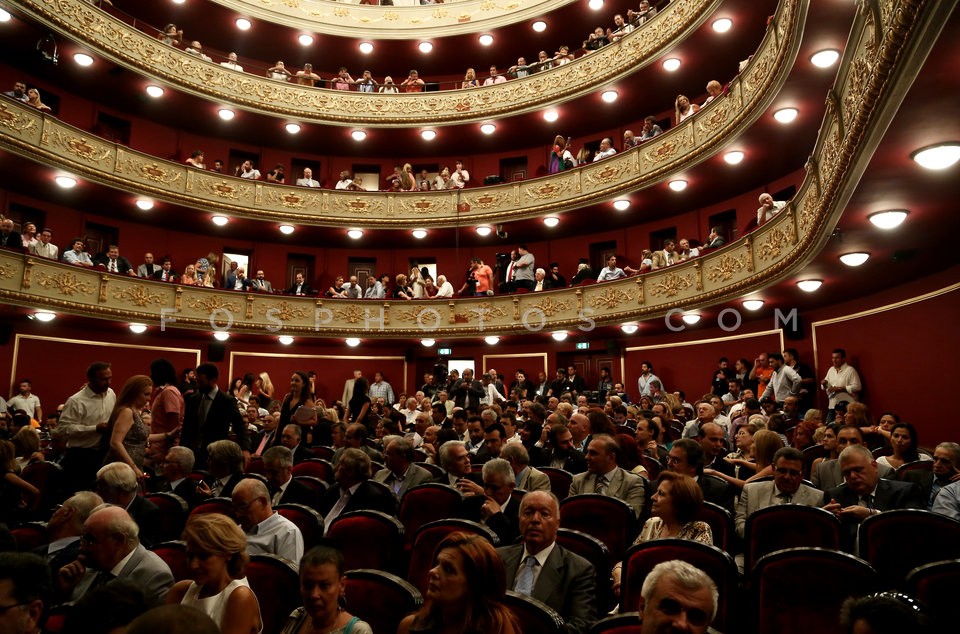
542, 569
786, 488
400, 474
111, 550
827, 475
527, 478
259, 283
603, 476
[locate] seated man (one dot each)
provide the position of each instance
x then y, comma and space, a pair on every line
527, 478
25, 592
401, 474
231, 63
455, 461
445, 288
650, 129
768, 208
827, 475
493, 504
225, 463
352, 491
299, 287
561, 451
267, 531
346, 182
786, 488
165, 272
307, 180
606, 150
686, 456
605, 477
677, 597
196, 49
43, 247
613, 272
65, 528
77, 255
277, 466
356, 438
148, 268
117, 484
946, 470
113, 262
260, 283
714, 239
666, 257
290, 437
542, 569
175, 474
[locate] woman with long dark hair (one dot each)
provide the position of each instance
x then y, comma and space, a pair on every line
903, 440
297, 405
359, 403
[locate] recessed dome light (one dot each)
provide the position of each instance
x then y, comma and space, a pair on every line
138, 329
425, 47
678, 185
484, 230
889, 219
671, 65
753, 304
551, 221
596, 5
786, 115
722, 25
539, 26
486, 39
154, 91
854, 259
221, 335
825, 58
550, 116
355, 234
937, 157
66, 182
358, 135
621, 205
809, 286
4, 15
491, 340
559, 336
428, 343
609, 95
629, 329
428, 135
44, 316
292, 128
419, 234
305, 39
220, 221
243, 24
733, 157
145, 204
353, 342
690, 318
82, 59
226, 114
285, 339
287, 229
488, 128
366, 48
179, 1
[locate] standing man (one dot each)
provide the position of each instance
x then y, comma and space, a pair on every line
524, 269
83, 419
459, 178
381, 389
467, 392
43, 247
26, 401
212, 415
783, 382
348, 387
842, 383
646, 376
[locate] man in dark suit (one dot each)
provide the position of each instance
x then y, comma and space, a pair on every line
113, 262
165, 272
714, 446
493, 504
225, 463
211, 415
714, 240
65, 528
864, 493
946, 469
299, 287
260, 283
175, 474
686, 456
542, 569
560, 452
467, 392
455, 462
8, 237
117, 484
277, 464
290, 438
353, 490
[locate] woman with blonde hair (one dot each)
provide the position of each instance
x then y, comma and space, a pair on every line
189, 277
217, 557
470, 79
127, 434
765, 444
684, 109
407, 182
401, 288
265, 385
33, 99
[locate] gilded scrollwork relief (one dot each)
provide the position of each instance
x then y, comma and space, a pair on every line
724, 268
212, 304
66, 283
483, 312
609, 298
551, 306
138, 295
16, 120
283, 310
83, 147
671, 284
776, 242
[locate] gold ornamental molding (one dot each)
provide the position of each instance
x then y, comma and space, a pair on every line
50, 141
406, 19
110, 38
885, 52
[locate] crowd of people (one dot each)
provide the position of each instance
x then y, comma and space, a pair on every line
741, 446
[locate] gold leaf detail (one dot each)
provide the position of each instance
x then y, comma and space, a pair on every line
6, 272
139, 295
284, 311
548, 190
15, 120
672, 284
775, 242
80, 147
609, 298
423, 315
483, 312
212, 304
606, 175
727, 267
66, 283
351, 314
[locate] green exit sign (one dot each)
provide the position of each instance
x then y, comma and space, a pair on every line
583, 345
445, 352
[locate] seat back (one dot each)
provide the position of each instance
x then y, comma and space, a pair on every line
800, 590
316, 467
277, 585
581, 513
30, 535
594, 551
652, 465
368, 539
380, 598
427, 539
214, 505
560, 481
623, 623
721, 525
810, 454
318, 486
916, 465
427, 503
173, 514
788, 526
435, 470
174, 554
307, 520
935, 587
322, 452
48, 478
535, 617
257, 465
896, 542
718, 565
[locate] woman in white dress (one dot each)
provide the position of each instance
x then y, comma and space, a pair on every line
217, 556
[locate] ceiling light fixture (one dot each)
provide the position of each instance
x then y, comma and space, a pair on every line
4, 15
44, 316
358, 135
825, 58
138, 329
82, 59
809, 286
786, 115
486, 39
144, 204
221, 335
488, 128
243, 24
428, 343
425, 47
491, 340
305, 39
539, 26
690, 318
753, 304
621, 205
293, 128
366, 47
734, 157
428, 135
671, 65
419, 234
355, 234
596, 5
609, 96
854, 259
629, 329
888, 219
550, 116
722, 25
66, 182
678, 185
559, 335
484, 231
287, 229
220, 221
285, 339
551, 221
179, 1
154, 91
939, 156
226, 114
353, 342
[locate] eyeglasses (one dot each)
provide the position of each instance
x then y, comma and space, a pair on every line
695, 616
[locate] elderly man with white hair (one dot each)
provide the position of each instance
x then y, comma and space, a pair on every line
117, 484
445, 287
677, 597
768, 208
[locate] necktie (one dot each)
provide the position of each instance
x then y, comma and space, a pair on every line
525, 575
867, 501
601, 484
102, 579
113, 266
785, 498
204, 409
264, 443
275, 495
216, 489
510, 272
397, 484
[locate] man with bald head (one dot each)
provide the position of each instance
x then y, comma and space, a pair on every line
714, 449
267, 531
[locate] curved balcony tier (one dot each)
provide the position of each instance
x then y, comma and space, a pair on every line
46, 139
125, 45
883, 55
